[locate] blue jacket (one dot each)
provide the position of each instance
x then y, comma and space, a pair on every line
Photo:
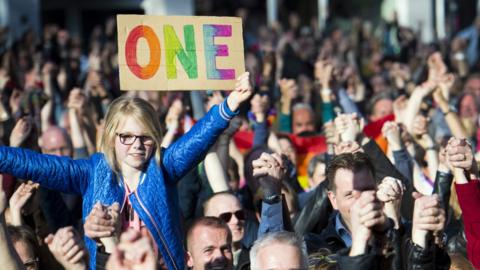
155, 199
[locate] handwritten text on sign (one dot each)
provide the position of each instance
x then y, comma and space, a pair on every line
179, 52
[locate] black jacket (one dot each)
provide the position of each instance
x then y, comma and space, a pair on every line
243, 260
370, 260
312, 218
429, 258
328, 238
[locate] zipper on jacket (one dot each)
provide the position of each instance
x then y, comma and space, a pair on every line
156, 228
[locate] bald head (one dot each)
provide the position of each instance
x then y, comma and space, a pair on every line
303, 119
227, 207
219, 203
56, 142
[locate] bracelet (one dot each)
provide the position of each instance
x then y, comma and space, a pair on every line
430, 148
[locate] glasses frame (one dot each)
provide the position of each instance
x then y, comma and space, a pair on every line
32, 263
142, 139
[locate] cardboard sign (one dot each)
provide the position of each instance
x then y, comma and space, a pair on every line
179, 52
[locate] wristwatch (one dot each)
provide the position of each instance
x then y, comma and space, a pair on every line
450, 110
273, 199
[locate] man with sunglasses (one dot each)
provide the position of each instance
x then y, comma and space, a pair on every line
271, 170
228, 208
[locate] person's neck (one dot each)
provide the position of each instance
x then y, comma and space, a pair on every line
236, 245
131, 176
344, 223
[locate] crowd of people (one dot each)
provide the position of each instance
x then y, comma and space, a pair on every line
97, 178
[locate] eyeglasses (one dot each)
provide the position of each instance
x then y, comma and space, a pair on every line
227, 216
31, 263
129, 139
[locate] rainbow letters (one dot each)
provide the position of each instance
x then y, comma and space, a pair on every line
179, 52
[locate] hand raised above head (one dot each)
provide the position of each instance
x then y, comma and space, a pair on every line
76, 99
270, 164
20, 132
288, 88
366, 216
347, 147
428, 217
390, 189
259, 106
459, 154
271, 170
349, 127
391, 131
241, 93
22, 194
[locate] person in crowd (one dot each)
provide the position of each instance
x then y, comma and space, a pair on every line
279, 250
130, 159
394, 190
209, 244
228, 208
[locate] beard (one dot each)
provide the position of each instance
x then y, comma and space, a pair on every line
219, 264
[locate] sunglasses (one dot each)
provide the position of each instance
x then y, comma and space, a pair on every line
227, 216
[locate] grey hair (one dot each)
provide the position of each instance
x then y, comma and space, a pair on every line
299, 106
283, 237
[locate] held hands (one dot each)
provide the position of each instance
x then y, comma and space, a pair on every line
134, 252
274, 166
270, 164
391, 131
348, 126
428, 217
459, 156
330, 133
365, 215
390, 192
68, 249
243, 91
347, 147
103, 225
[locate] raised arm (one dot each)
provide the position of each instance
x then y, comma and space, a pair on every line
58, 173
460, 157
9, 258
187, 151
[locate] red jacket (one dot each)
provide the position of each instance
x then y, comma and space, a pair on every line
469, 199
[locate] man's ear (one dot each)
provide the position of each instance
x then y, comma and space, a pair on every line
333, 199
189, 259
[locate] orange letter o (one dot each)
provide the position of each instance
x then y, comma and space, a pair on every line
151, 68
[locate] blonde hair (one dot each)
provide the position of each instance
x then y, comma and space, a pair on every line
118, 110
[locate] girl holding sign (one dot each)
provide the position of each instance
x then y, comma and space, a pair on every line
131, 168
